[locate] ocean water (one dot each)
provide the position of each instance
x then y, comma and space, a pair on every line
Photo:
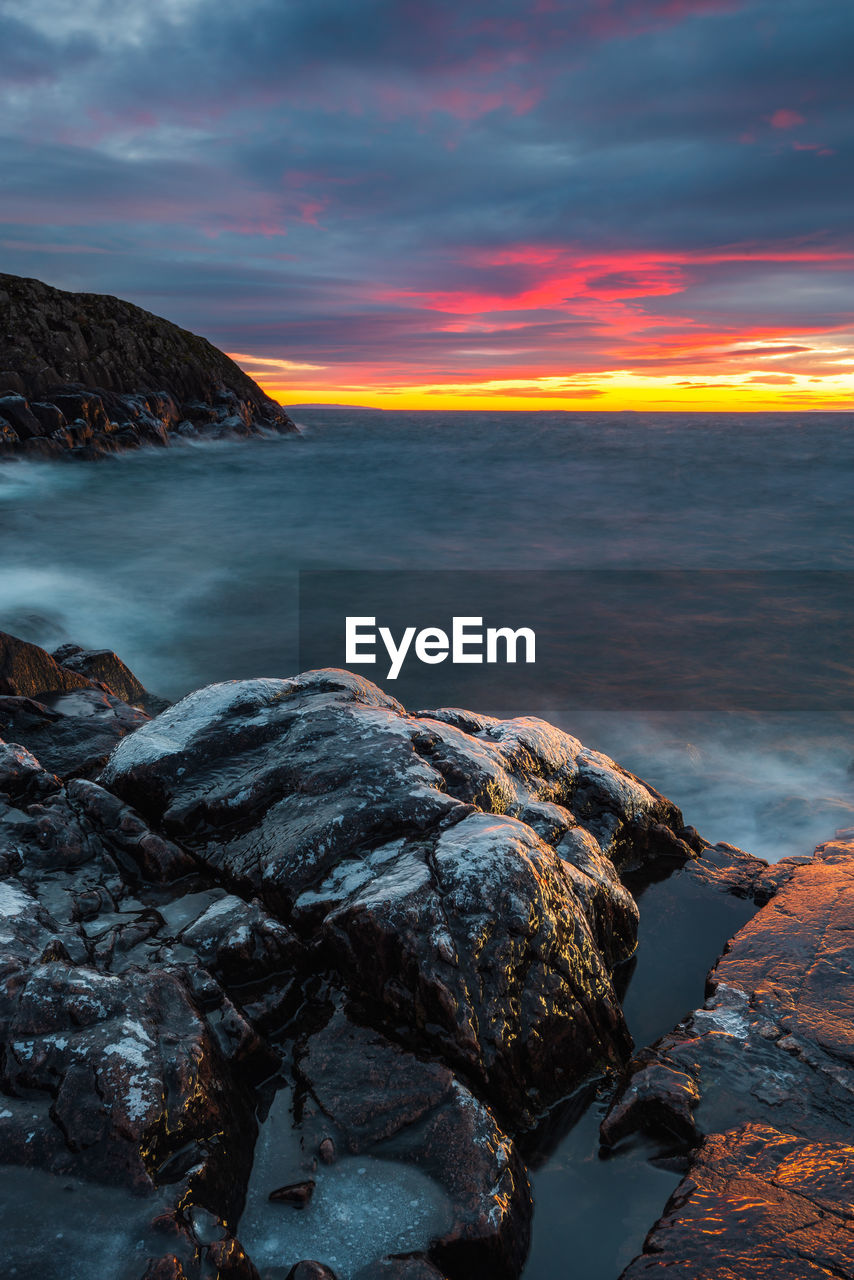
186, 561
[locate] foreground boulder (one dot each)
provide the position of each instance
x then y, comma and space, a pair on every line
457, 873
85, 374
423, 912
395, 941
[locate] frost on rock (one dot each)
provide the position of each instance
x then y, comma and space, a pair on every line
185, 725
726, 1011
119, 1055
14, 901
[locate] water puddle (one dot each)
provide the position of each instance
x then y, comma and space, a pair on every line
683, 929
362, 1208
593, 1212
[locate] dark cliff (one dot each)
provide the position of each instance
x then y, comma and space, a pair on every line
88, 374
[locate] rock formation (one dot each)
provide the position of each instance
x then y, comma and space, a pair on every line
69, 708
407, 932
86, 374
425, 910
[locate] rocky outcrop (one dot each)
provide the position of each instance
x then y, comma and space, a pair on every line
457, 873
759, 1205
118, 1064
85, 374
775, 1032
414, 919
762, 1077
407, 932
69, 708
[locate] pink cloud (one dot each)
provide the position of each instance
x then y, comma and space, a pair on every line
467, 104
818, 147
785, 119
640, 15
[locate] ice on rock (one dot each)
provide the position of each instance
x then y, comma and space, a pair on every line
172, 731
94, 1230
362, 1208
14, 901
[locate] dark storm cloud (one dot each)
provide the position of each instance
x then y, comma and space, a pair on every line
331, 181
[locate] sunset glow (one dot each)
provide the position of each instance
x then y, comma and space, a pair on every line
616, 391
627, 204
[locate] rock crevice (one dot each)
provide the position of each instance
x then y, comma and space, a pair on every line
763, 1072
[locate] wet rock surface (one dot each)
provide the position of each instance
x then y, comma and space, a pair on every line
416, 916
86, 375
104, 667
775, 1034
419, 1113
768, 1061
758, 1205
69, 708
460, 882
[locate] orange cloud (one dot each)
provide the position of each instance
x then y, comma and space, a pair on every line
558, 326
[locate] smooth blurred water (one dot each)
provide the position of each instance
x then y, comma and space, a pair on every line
185, 561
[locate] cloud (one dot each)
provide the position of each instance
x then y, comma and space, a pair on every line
489, 191
783, 118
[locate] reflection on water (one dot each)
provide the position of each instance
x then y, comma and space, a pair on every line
185, 561
591, 1214
683, 928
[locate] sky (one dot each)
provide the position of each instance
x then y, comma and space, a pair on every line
471, 204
